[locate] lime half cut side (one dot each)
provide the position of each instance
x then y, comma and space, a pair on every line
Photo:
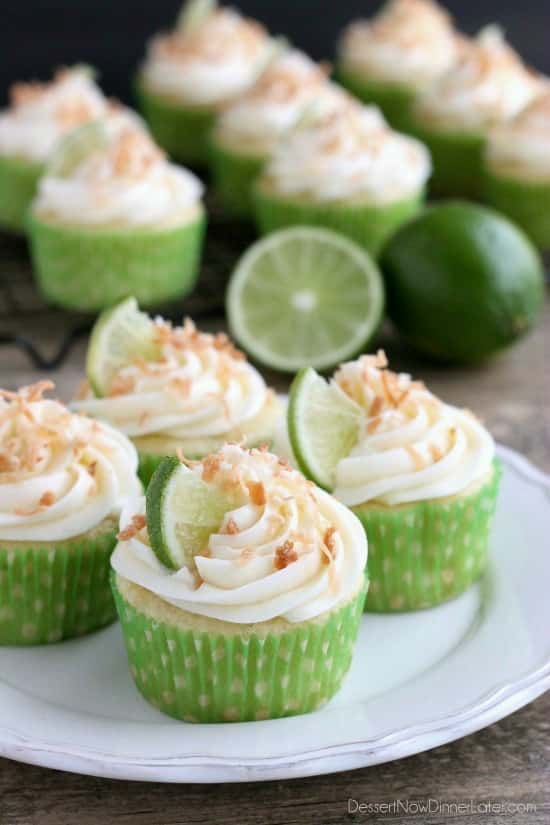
304, 296
323, 426
182, 512
120, 335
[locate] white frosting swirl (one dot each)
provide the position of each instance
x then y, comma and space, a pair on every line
350, 152
129, 182
214, 62
285, 550
521, 147
488, 84
60, 474
198, 387
411, 446
42, 113
410, 42
273, 104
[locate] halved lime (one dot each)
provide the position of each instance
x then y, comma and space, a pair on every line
323, 426
182, 512
76, 147
120, 334
304, 296
194, 13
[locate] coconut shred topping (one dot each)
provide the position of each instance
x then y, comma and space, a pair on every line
348, 152
411, 445
213, 61
198, 386
487, 85
42, 113
60, 474
274, 103
522, 145
128, 182
283, 549
409, 41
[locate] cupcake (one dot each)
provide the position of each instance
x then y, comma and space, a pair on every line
419, 473
487, 86
63, 480
247, 130
185, 391
517, 169
212, 57
251, 612
40, 114
391, 58
111, 218
346, 170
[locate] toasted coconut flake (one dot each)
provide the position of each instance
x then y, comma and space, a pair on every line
210, 467
418, 460
231, 528
285, 554
138, 523
257, 492
47, 499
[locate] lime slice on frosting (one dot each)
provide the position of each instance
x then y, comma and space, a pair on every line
194, 13
323, 426
78, 145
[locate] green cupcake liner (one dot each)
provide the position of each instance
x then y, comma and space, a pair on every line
233, 176
18, 184
394, 99
457, 159
526, 202
423, 554
369, 225
50, 591
182, 131
243, 675
89, 269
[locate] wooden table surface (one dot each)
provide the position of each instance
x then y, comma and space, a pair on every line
507, 764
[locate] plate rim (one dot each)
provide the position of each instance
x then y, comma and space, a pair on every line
500, 701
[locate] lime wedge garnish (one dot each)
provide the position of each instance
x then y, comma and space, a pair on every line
120, 335
182, 512
304, 296
323, 426
194, 13
78, 145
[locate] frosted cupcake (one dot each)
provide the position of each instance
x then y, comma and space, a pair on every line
251, 612
389, 59
487, 86
345, 170
63, 480
517, 169
111, 218
419, 473
40, 114
213, 56
175, 389
247, 131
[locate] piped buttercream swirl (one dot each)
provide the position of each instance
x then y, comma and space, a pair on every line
521, 147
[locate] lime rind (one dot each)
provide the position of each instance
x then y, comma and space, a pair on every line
194, 13
120, 334
323, 426
78, 145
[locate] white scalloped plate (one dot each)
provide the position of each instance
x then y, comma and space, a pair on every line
418, 680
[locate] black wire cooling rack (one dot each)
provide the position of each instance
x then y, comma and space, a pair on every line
23, 310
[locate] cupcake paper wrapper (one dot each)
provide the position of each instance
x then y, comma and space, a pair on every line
206, 677
393, 99
18, 182
88, 269
368, 225
526, 202
233, 176
426, 553
182, 131
457, 159
54, 592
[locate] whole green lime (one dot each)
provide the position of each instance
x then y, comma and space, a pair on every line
462, 282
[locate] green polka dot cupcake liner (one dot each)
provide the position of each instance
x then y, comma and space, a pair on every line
395, 100
233, 176
369, 225
18, 183
523, 201
424, 554
88, 269
50, 592
245, 675
182, 131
